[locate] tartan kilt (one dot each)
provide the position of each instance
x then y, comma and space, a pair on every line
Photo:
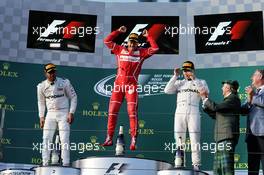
224, 160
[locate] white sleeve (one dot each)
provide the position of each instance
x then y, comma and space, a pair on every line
201, 84
41, 101
171, 86
203, 102
205, 85
72, 96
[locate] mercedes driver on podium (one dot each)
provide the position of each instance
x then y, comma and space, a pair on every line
54, 93
129, 63
187, 114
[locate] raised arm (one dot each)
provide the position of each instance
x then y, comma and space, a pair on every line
108, 41
173, 84
227, 106
153, 45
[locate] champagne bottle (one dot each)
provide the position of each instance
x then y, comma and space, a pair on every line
120, 143
179, 155
56, 152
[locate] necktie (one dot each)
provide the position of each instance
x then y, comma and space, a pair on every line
257, 91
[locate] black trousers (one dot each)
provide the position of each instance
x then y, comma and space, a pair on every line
255, 147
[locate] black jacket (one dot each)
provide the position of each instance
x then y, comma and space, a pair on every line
226, 115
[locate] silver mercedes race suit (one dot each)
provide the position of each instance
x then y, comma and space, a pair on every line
56, 96
187, 114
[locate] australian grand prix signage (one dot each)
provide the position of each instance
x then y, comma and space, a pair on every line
159, 27
148, 85
62, 31
229, 32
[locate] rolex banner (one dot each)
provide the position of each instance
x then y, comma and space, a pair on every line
21, 136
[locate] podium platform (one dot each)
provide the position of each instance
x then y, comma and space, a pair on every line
17, 172
181, 171
56, 170
117, 165
104, 166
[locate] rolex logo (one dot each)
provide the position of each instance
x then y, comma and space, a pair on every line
93, 139
142, 130
5, 72
141, 123
236, 157
95, 112
6, 66
96, 106
8, 107
2, 99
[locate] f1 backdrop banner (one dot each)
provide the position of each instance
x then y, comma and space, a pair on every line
229, 32
157, 26
61, 31
22, 137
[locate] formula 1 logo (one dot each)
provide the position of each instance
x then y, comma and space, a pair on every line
73, 28
237, 31
156, 27
138, 29
229, 32
116, 168
62, 31
68, 32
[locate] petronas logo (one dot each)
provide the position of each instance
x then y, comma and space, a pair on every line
2, 99
141, 123
96, 106
6, 66
93, 139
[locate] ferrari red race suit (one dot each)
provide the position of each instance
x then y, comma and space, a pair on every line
128, 68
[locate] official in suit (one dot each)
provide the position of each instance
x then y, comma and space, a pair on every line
226, 131
255, 122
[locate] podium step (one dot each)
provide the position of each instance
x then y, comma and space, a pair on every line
123, 165
181, 172
17, 171
56, 170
